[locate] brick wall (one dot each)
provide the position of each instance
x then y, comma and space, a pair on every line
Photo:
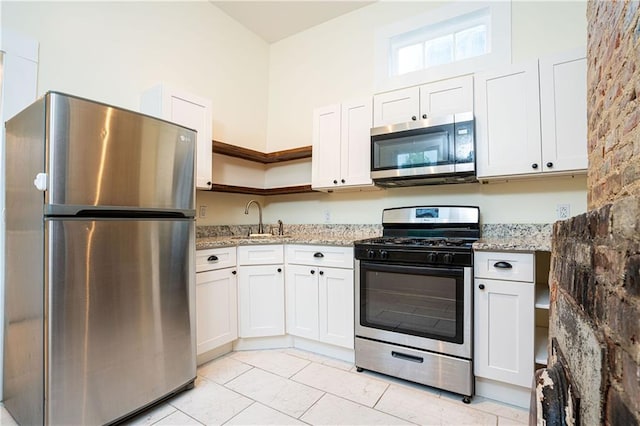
595, 259
613, 100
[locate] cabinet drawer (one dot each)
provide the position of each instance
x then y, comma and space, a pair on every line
504, 266
261, 254
217, 258
330, 256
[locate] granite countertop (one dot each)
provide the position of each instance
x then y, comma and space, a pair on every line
499, 237
515, 237
337, 235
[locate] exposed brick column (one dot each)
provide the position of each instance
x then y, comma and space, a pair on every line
595, 260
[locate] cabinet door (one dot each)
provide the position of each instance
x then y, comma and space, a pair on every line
195, 113
302, 301
325, 166
190, 111
450, 96
260, 301
355, 154
336, 306
508, 121
563, 105
216, 309
504, 331
394, 107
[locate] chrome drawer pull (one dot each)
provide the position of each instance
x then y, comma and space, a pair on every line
406, 357
502, 265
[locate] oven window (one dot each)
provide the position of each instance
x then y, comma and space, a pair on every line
426, 302
416, 148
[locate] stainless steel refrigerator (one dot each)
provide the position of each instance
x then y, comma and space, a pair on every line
99, 319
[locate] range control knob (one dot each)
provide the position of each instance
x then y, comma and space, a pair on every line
384, 254
432, 257
371, 254
448, 258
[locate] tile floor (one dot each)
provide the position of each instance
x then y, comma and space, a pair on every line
290, 386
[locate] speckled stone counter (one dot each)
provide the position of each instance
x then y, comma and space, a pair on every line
515, 237
332, 235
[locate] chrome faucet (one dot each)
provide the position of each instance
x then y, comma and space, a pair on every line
246, 211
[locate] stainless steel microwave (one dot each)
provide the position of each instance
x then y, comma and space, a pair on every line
431, 151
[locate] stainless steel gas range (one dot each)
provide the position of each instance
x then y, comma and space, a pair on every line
413, 310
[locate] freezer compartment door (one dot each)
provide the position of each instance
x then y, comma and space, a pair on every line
121, 329
99, 155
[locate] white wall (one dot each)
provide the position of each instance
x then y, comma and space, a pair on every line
334, 61
113, 51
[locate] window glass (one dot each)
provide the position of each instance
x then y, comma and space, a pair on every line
410, 58
471, 42
438, 51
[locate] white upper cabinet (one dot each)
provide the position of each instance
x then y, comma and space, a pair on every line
531, 118
341, 146
398, 106
450, 96
563, 107
508, 121
190, 111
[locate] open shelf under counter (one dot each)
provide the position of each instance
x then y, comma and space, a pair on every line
542, 297
541, 338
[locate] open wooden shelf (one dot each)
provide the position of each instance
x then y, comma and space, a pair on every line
222, 148
216, 187
261, 157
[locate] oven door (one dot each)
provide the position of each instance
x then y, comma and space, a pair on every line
416, 306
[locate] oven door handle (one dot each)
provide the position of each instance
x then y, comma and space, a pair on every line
406, 357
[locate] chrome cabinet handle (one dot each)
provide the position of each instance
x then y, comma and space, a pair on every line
502, 265
212, 258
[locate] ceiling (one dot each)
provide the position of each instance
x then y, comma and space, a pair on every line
275, 20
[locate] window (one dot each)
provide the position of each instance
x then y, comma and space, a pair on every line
454, 40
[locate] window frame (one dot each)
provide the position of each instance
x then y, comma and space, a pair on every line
442, 21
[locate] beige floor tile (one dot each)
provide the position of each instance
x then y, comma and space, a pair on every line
5, 418
274, 361
178, 418
504, 421
423, 408
275, 391
258, 414
320, 359
333, 410
210, 403
352, 386
401, 382
223, 369
152, 416
517, 414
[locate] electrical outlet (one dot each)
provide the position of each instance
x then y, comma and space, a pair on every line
203, 211
327, 216
563, 211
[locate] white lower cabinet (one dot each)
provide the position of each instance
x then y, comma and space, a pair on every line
504, 331
260, 291
511, 318
320, 298
216, 298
